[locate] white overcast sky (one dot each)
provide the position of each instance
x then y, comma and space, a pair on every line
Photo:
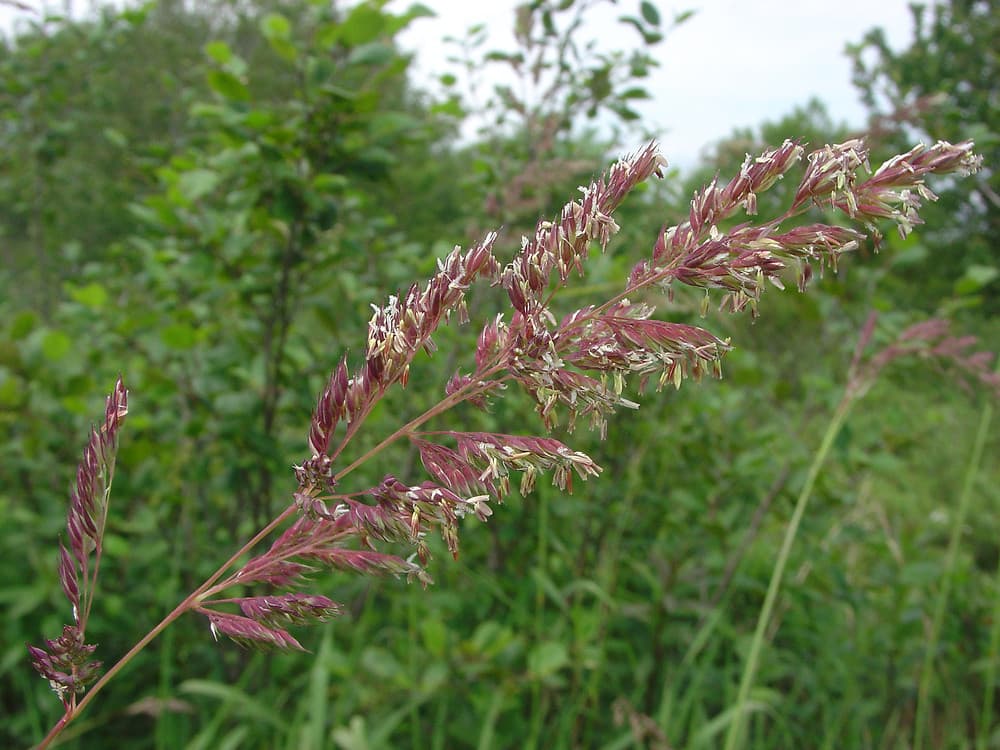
735, 63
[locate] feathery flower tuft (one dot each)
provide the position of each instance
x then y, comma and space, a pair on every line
250, 633
64, 661
930, 340
577, 366
289, 609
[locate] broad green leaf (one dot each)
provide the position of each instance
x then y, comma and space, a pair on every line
258, 119
352, 737
649, 37
138, 15
392, 123
328, 35
329, 183
507, 57
975, 278
116, 545
547, 658
374, 53
433, 678
197, 184
115, 137
381, 663
626, 113
435, 636
76, 405
278, 32
22, 324
56, 345
636, 92
599, 83
227, 85
233, 158
362, 25
10, 356
284, 48
219, 51
649, 13
340, 92
275, 26
490, 638
92, 295
419, 10
145, 214
452, 108
11, 392
913, 254
208, 111
178, 336
377, 156
548, 23
395, 24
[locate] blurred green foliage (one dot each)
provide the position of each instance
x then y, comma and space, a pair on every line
206, 198
943, 86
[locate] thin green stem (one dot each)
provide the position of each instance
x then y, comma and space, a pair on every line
927, 671
986, 719
442, 406
541, 564
734, 736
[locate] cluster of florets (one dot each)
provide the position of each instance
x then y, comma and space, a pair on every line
574, 365
577, 365
65, 661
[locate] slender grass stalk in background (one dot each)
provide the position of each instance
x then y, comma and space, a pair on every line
574, 368
984, 733
313, 733
927, 672
927, 339
941, 602
734, 736
541, 565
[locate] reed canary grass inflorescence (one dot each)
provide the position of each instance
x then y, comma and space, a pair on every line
574, 366
65, 661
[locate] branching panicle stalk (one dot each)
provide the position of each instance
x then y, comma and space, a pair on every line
577, 366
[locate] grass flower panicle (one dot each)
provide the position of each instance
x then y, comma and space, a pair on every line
930, 340
576, 366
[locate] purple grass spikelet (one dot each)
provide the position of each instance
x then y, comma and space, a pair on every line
247, 632
65, 661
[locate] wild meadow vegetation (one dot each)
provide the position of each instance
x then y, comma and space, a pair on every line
240, 220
